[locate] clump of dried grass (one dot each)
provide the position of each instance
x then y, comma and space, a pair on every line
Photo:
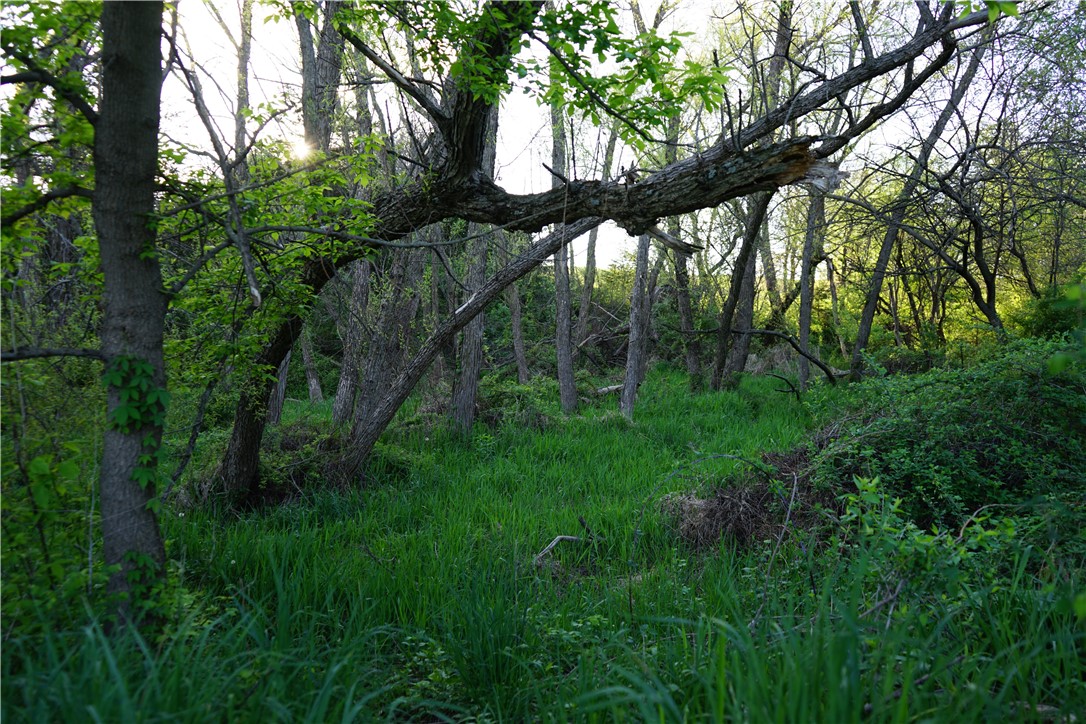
752, 509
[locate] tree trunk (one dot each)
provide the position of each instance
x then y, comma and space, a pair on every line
757, 214
134, 306
563, 343
744, 319
867, 317
388, 345
279, 392
516, 317
466, 389
312, 379
351, 330
239, 473
831, 277
639, 328
812, 245
584, 310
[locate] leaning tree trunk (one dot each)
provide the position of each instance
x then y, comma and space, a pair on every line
366, 434
516, 317
466, 387
584, 311
639, 329
134, 305
392, 330
279, 393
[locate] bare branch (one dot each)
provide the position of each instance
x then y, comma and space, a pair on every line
43, 201
40, 76
17, 355
411, 89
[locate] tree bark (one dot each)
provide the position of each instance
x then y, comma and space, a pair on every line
279, 392
351, 332
635, 350
466, 389
134, 305
734, 167
312, 379
563, 342
812, 245
736, 360
365, 437
392, 330
516, 317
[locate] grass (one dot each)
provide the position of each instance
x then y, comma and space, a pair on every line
419, 598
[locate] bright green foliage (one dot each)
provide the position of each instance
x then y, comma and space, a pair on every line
44, 138
419, 597
141, 405
950, 441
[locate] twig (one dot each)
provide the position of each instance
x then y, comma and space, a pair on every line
557, 539
788, 382
16, 355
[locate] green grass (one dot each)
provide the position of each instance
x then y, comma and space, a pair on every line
419, 598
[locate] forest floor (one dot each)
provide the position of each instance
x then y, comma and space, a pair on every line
686, 566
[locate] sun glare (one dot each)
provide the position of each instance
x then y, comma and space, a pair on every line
300, 149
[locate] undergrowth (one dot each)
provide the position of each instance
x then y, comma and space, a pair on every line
427, 595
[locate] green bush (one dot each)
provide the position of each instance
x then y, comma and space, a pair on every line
948, 442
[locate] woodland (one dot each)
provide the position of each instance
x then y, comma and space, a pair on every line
683, 360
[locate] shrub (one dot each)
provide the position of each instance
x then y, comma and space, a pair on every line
950, 441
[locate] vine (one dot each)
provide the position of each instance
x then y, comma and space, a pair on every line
141, 404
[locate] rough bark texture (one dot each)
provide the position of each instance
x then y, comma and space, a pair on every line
516, 320
812, 244
867, 317
134, 306
312, 379
391, 331
736, 360
321, 68
279, 392
563, 303
351, 332
639, 329
397, 392
466, 388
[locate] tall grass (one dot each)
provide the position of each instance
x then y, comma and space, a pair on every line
420, 597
